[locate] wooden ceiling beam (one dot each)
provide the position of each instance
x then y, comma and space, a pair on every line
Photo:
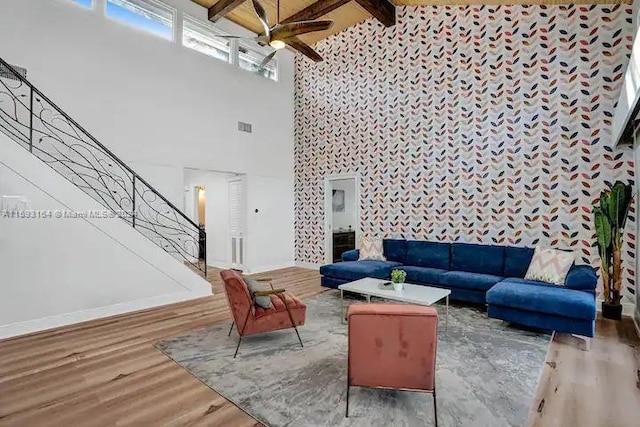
222, 7
316, 10
383, 10
304, 49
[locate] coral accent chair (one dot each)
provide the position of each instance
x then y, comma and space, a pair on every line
392, 346
287, 311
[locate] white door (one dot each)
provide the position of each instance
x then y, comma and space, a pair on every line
237, 217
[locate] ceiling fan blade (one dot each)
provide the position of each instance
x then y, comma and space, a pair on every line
303, 48
262, 16
284, 31
266, 60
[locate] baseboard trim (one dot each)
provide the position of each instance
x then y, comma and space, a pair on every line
265, 268
311, 265
219, 264
51, 322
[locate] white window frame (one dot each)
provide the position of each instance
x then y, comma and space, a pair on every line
206, 28
261, 52
151, 3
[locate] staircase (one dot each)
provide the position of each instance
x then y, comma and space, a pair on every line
38, 125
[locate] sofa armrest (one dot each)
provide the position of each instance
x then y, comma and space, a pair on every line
351, 255
581, 277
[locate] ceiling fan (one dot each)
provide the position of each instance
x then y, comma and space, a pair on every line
280, 35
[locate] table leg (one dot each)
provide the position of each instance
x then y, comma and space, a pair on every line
342, 313
446, 318
368, 299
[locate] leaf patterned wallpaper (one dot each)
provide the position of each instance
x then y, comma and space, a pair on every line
486, 124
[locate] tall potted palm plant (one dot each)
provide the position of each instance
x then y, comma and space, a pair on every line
610, 217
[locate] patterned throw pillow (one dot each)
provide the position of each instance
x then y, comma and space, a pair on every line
255, 286
371, 248
549, 265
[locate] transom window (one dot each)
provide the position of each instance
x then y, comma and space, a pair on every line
157, 18
85, 3
250, 58
205, 39
150, 16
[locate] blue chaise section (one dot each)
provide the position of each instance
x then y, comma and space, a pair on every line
570, 308
482, 274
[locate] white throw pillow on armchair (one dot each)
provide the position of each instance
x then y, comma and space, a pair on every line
371, 248
550, 265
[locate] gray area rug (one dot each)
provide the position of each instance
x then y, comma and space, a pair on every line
487, 372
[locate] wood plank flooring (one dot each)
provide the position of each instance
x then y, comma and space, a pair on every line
595, 388
107, 372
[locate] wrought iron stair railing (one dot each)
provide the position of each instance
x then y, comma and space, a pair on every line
40, 126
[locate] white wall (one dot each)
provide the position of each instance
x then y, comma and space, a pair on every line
159, 106
342, 220
216, 212
57, 271
167, 179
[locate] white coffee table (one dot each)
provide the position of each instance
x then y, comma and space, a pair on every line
414, 294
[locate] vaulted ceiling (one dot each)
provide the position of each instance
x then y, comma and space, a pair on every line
343, 13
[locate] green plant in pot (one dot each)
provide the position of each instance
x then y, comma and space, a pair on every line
610, 217
398, 277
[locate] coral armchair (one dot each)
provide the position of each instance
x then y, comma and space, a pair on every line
287, 311
392, 346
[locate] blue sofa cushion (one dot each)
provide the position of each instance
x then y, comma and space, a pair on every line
554, 300
354, 270
351, 255
467, 280
516, 261
581, 277
395, 250
423, 275
485, 259
428, 254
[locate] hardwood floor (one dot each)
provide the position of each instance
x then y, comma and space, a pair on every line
595, 388
107, 372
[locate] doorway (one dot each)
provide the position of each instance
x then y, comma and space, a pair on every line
201, 205
342, 215
210, 204
201, 216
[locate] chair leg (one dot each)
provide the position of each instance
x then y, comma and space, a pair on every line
435, 407
347, 411
240, 333
231, 328
293, 324
299, 339
238, 346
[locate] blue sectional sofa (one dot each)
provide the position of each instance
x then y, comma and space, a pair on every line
482, 274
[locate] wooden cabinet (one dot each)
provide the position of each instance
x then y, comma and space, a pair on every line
343, 241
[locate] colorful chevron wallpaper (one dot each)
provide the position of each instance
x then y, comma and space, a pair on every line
475, 124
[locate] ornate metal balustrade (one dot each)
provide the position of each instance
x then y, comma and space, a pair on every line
40, 126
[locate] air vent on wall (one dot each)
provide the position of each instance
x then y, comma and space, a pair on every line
244, 127
9, 74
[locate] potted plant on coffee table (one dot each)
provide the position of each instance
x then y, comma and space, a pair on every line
398, 277
610, 217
